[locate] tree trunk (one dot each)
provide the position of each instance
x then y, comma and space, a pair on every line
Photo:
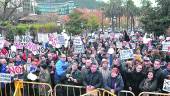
119, 22
127, 22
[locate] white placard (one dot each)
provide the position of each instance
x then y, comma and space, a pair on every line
126, 54
166, 46
32, 47
11, 54
23, 39
79, 49
118, 44
4, 77
60, 39
18, 45
42, 37
166, 85
52, 40
77, 41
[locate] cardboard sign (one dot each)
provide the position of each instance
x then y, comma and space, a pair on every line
79, 49
165, 46
166, 85
16, 70
126, 54
60, 39
4, 77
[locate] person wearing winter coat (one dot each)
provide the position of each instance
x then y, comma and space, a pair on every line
115, 82
149, 84
61, 67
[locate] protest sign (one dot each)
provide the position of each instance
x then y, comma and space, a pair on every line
18, 45
40, 50
60, 39
79, 49
23, 39
166, 85
42, 37
11, 54
165, 46
32, 47
4, 77
77, 41
52, 40
2, 42
16, 70
126, 54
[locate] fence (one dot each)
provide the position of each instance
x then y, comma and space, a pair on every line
153, 94
6, 88
106, 92
126, 93
71, 90
94, 92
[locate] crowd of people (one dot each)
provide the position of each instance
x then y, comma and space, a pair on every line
97, 67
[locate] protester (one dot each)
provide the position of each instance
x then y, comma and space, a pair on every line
115, 82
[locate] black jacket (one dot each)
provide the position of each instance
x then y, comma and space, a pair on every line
93, 79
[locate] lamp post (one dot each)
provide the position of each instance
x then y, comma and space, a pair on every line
102, 9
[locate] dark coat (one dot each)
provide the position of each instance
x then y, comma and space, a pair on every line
158, 73
119, 84
93, 79
148, 85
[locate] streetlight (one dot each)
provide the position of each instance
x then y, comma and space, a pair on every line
102, 9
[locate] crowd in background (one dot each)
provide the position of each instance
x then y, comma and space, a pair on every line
97, 67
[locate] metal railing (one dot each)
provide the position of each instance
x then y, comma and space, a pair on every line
127, 93
69, 89
24, 88
94, 92
6, 88
153, 94
106, 92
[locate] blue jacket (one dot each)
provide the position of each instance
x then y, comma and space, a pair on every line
61, 67
3, 68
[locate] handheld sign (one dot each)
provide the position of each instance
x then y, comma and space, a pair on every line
4, 77
126, 54
165, 46
16, 70
52, 40
166, 85
77, 41
79, 49
60, 39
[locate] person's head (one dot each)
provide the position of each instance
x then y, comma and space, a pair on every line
93, 68
69, 58
18, 58
146, 61
50, 57
138, 68
63, 57
105, 63
150, 75
29, 60
88, 62
157, 64
3, 61
43, 58
115, 72
83, 60
74, 66
168, 66
43, 67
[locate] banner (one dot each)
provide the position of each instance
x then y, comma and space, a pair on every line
166, 85
60, 39
16, 70
4, 77
126, 54
166, 46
